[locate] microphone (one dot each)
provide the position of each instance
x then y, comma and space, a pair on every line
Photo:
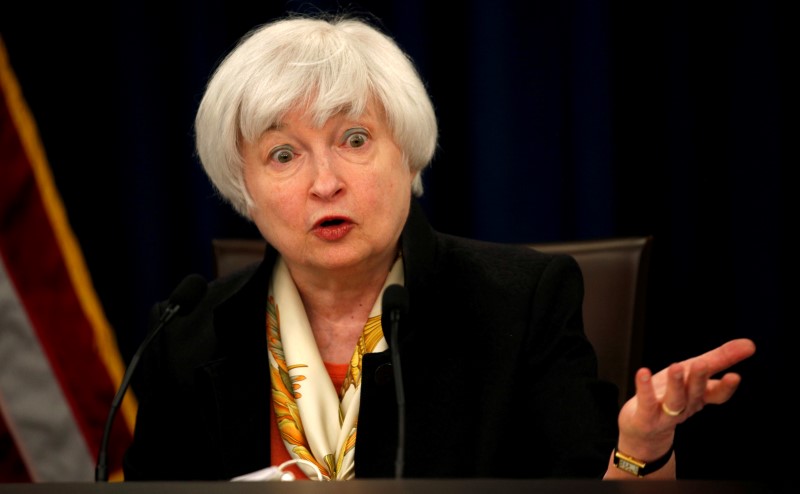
183, 300
395, 305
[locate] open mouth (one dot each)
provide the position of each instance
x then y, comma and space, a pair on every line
333, 228
331, 222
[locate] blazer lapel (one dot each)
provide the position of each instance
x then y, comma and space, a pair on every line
238, 380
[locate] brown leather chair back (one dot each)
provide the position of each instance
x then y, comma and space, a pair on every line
615, 277
232, 254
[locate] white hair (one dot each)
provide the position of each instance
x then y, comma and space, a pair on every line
329, 65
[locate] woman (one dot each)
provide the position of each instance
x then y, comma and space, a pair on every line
318, 130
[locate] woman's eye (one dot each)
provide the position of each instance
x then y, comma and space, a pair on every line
282, 155
356, 138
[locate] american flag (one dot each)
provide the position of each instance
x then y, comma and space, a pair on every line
59, 361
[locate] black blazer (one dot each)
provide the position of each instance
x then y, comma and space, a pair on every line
499, 378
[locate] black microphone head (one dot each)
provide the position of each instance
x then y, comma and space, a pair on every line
188, 293
395, 300
395, 297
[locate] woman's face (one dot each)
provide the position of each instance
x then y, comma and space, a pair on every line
333, 198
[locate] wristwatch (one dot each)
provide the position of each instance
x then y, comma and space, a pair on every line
640, 468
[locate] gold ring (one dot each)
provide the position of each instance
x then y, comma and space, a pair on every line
671, 412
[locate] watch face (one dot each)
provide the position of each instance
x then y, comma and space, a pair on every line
629, 464
629, 467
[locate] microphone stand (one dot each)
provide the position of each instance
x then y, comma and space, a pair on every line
401, 397
101, 470
184, 299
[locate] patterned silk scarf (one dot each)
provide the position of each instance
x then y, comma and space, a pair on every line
317, 422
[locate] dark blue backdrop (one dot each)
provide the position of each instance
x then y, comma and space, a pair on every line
559, 121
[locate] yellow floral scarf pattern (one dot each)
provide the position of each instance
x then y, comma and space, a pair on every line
317, 423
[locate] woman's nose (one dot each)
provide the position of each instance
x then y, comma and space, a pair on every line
327, 181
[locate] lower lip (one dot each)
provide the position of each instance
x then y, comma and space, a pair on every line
331, 233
